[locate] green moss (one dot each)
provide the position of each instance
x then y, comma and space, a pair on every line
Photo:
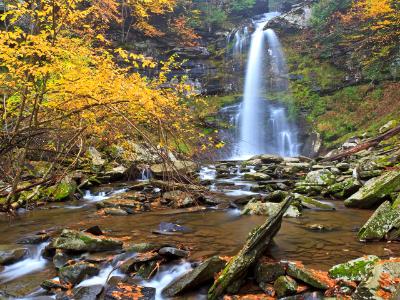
356, 269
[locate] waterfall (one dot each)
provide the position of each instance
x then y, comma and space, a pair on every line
263, 126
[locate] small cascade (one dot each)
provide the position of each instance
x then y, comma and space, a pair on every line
240, 41
146, 173
35, 262
103, 276
166, 276
102, 195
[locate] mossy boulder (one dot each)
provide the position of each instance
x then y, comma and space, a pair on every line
285, 286
73, 240
261, 209
356, 269
375, 190
256, 176
384, 219
195, 278
73, 274
311, 203
322, 177
345, 188
381, 283
266, 271
63, 190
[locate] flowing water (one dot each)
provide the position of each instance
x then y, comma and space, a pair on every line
259, 125
213, 231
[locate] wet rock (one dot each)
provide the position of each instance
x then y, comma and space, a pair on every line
173, 252
375, 190
129, 291
318, 227
306, 188
178, 199
87, 292
356, 269
171, 228
144, 247
292, 212
115, 211
10, 256
344, 188
60, 259
195, 278
232, 276
51, 284
261, 208
180, 166
381, 283
80, 241
384, 219
256, 176
309, 276
285, 286
33, 239
73, 274
132, 264
130, 206
147, 270
311, 203
266, 271
321, 177
95, 230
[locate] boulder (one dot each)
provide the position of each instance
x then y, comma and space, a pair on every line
384, 219
381, 283
267, 271
63, 190
192, 52
79, 241
115, 211
311, 203
97, 161
73, 274
87, 292
10, 256
292, 212
33, 239
345, 188
261, 208
195, 278
50, 284
375, 190
130, 206
133, 263
180, 166
256, 176
356, 269
293, 21
173, 252
269, 158
178, 199
285, 286
320, 177
316, 279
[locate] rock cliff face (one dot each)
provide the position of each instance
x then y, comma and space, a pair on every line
298, 18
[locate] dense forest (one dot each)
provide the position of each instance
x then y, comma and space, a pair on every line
121, 114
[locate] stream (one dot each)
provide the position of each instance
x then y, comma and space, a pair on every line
212, 231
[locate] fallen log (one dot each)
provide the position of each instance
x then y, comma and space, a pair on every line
257, 242
368, 144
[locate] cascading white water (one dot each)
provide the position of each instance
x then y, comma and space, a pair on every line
263, 126
35, 262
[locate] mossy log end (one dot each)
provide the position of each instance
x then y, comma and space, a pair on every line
255, 246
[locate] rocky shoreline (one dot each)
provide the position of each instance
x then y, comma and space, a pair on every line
277, 188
